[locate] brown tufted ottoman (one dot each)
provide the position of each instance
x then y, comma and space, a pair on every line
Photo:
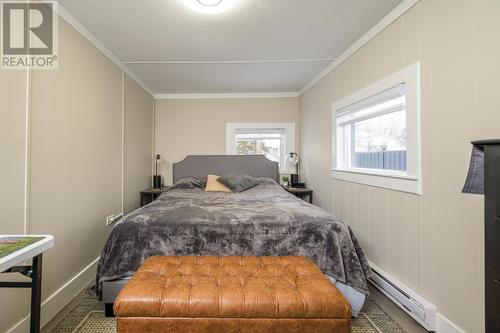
231, 294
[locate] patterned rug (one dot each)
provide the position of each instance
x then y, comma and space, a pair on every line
88, 317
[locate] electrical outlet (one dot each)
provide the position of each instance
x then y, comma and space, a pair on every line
113, 218
110, 219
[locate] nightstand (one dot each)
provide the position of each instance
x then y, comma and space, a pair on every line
150, 194
300, 192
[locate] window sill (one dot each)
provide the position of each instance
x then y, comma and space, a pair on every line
385, 179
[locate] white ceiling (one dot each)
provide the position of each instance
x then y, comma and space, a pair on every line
256, 46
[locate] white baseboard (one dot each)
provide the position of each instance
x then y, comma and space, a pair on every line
60, 298
443, 325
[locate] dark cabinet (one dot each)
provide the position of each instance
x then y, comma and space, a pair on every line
491, 150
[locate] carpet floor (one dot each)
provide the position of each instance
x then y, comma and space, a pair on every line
88, 317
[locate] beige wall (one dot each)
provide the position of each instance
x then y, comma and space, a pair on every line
433, 243
198, 126
12, 146
75, 154
75, 159
138, 140
12, 175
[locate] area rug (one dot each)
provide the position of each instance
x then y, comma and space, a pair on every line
88, 317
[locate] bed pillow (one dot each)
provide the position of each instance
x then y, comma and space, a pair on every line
214, 186
266, 181
189, 183
238, 182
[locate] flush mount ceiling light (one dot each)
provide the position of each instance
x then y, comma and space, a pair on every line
210, 6
210, 2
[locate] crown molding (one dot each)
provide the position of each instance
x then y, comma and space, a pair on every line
393, 15
218, 62
228, 95
71, 20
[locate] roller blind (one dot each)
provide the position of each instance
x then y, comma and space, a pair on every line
388, 101
280, 131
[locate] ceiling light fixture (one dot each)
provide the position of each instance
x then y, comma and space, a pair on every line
210, 2
210, 6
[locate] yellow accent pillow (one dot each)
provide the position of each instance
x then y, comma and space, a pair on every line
214, 186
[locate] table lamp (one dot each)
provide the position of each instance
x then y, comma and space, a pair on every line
292, 167
156, 176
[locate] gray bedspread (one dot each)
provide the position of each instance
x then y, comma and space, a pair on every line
264, 221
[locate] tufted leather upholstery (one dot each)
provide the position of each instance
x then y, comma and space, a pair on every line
231, 294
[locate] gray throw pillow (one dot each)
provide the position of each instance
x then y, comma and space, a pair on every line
238, 182
189, 183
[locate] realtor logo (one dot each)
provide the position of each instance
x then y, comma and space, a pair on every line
29, 34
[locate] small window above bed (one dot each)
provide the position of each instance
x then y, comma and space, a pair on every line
273, 140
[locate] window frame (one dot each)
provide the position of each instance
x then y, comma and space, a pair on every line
409, 181
289, 137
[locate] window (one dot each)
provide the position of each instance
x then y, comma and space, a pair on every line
267, 142
373, 132
273, 140
377, 133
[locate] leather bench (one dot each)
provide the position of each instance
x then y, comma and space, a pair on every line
231, 294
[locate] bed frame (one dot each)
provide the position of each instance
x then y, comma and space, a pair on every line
200, 166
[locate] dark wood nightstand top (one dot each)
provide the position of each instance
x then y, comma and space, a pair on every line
300, 192
297, 190
151, 190
150, 194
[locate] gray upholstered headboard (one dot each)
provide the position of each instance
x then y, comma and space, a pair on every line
200, 166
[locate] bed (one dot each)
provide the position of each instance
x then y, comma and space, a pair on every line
264, 220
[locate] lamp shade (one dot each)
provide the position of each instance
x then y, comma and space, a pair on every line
291, 161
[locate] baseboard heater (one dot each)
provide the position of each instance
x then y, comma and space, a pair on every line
410, 302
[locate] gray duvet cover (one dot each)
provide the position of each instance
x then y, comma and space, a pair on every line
263, 221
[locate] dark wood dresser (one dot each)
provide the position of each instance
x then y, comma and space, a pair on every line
491, 150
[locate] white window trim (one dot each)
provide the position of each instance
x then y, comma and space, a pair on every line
410, 181
289, 128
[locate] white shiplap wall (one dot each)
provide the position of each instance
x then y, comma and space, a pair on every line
434, 242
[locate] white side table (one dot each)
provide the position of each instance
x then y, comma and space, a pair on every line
17, 248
